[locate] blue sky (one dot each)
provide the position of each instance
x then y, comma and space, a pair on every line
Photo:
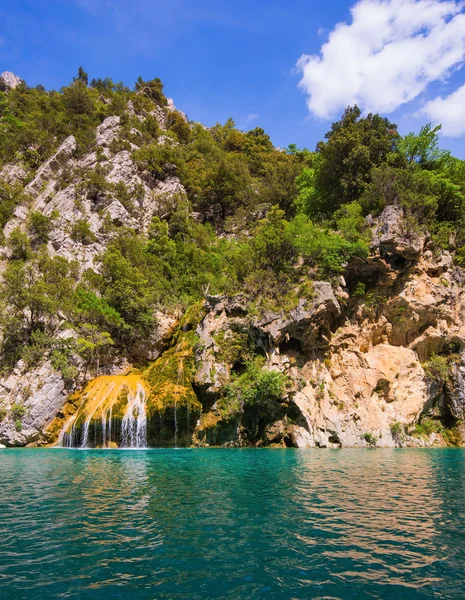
240, 59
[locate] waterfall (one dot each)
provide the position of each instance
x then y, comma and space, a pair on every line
112, 412
134, 424
180, 381
65, 439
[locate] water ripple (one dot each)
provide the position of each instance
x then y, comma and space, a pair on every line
227, 524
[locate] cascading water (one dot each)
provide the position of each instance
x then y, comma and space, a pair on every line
180, 381
112, 413
134, 424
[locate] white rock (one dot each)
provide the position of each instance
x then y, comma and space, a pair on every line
108, 131
11, 80
13, 173
52, 165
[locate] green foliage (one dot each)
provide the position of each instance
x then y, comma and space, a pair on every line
326, 250
179, 126
10, 197
397, 431
353, 148
422, 149
427, 426
82, 76
370, 439
152, 89
272, 244
437, 369
40, 226
81, 232
34, 294
93, 345
60, 359
308, 200
19, 245
255, 219
259, 389
18, 411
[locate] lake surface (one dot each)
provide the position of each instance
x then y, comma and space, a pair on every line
236, 524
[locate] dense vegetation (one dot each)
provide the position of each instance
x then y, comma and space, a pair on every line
256, 219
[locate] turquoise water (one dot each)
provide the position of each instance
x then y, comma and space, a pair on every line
236, 524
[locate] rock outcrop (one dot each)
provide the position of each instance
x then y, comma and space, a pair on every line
10, 79
32, 399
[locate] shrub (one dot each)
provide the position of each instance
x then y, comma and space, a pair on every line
397, 431
428, 426
40, 226
81, 232
370, 439
437, 369
18, 411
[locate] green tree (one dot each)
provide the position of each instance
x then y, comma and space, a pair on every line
423, 149
82, 76
354, 146
93, 345
272, 243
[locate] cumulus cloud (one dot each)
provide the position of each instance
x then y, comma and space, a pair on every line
450, 111
386, 56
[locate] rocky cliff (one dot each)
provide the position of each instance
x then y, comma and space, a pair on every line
373, 357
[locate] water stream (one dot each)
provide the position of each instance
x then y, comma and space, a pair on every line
113, 412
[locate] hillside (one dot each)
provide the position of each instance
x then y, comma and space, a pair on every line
199, 286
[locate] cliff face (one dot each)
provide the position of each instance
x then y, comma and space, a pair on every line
352, 369
356, 368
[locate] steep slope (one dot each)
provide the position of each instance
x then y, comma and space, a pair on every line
192, 281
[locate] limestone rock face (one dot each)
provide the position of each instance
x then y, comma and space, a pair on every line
52, 166
309, 323
392, 235
362, 393
38, 395
108, 131
457, 391
13, 173
11, 80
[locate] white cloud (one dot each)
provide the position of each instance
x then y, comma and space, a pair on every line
450, 111
250, 118
386, 57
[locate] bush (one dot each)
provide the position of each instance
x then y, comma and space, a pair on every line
397, 431
428, 426
259, 389
40, 226
18, 411
437, 369
81, 232
370, 439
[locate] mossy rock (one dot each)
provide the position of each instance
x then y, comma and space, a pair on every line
171, 377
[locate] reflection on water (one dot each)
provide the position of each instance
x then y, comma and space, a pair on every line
238, 524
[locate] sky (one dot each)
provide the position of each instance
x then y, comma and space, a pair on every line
290, 67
